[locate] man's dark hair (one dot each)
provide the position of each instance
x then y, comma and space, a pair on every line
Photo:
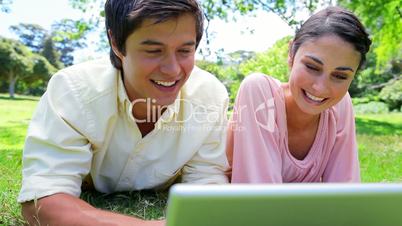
334, 21
123, 17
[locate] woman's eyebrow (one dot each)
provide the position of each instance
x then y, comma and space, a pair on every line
321, 63
315, 59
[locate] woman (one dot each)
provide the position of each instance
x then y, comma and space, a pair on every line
303, 130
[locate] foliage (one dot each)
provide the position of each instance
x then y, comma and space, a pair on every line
15, 62
65, 37
273, 62
366, 99
18, 63
50, 53
4, 5
373, 107
68, 36
31, 35
285, 9
392, 95
228, 75
383, 18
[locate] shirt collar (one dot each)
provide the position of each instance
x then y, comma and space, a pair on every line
121, 90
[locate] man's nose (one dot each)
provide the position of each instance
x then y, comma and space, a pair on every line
170, 65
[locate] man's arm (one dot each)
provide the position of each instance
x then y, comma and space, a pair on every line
64, 209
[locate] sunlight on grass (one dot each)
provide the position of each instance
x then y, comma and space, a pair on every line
14, 119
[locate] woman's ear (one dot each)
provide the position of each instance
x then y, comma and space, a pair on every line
114, 46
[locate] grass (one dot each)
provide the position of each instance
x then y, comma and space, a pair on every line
380, 152
380, 147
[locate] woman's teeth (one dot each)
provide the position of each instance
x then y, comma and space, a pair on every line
314, 98
167, 84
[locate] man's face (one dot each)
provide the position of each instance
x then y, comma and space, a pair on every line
159, 59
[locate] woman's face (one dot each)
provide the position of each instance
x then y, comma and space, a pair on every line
321, 72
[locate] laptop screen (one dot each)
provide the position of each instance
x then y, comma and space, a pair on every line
285, 205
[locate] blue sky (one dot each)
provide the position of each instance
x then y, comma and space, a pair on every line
231, 36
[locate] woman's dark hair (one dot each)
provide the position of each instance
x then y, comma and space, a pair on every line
333, 21
123, 17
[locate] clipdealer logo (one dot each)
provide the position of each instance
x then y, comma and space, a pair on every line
268, 107
197, 113
207, 115
263, 115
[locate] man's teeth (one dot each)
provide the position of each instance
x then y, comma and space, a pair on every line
318, 99
165, 83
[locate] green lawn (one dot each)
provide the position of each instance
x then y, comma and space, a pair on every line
380, 150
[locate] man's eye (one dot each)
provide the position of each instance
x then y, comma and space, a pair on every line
154, 51
185, 51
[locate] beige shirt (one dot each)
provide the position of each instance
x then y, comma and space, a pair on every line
83, 125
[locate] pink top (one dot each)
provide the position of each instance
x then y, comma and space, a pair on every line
260, 141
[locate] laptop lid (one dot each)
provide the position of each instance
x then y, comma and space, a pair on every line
285, 205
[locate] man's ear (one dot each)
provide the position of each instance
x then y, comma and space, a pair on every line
114, 46
290, 54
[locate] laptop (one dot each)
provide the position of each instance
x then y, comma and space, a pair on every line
285, 205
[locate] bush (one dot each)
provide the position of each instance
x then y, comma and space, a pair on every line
392, 95
373, 107
366, 99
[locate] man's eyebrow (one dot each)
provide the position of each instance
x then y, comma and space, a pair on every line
189, 43
344, 69
151, 42
315, 59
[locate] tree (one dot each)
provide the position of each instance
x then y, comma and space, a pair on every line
285, 9
15, 62
50, 53
68, 36
19, 64
273, 62
4, 5
31, 35
383, 18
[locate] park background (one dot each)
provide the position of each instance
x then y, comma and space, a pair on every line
241, 37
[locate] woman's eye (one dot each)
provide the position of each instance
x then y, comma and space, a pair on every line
339, 76
311, 67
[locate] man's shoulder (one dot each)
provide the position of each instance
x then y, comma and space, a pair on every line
89, 70
88, 79
204, 88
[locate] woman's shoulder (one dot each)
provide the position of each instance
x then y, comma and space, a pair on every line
259, 82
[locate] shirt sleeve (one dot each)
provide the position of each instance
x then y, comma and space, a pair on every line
254, 133
209, 165
343, 163
56, 154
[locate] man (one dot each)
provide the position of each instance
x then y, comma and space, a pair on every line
136, 121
